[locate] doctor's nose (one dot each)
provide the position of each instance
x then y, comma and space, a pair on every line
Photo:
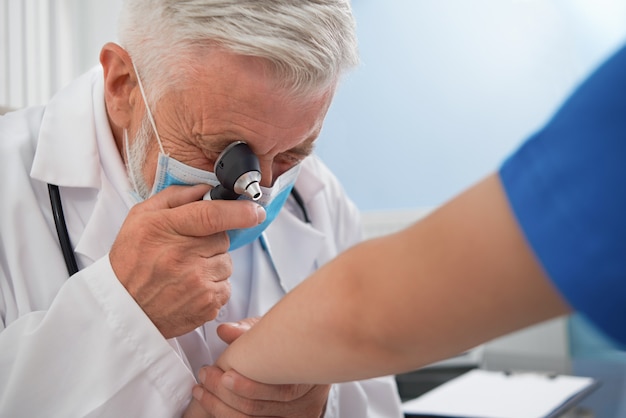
267, 174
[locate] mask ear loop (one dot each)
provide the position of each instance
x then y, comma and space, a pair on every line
150, 118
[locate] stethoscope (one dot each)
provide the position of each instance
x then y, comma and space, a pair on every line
61, 226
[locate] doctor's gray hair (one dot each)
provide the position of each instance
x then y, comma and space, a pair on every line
307, 44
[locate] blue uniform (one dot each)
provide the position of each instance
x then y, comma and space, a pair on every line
567, 188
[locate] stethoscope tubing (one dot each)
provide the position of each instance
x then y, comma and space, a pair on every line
61, 226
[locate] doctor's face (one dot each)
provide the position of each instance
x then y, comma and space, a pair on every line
231, 99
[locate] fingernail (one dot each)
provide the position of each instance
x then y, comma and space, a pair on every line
260, 214
201, 375
197, 393
241, 325
228, 381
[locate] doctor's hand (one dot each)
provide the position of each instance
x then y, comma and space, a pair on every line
171, 255
229, 394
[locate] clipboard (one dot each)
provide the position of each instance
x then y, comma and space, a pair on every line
491, 394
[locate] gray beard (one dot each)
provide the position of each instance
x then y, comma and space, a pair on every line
136, 158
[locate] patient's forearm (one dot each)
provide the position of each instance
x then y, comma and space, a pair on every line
458, 278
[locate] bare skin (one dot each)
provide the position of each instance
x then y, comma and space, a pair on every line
460, 277
171, 253
305, 400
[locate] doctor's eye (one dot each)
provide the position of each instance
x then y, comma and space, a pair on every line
211, 158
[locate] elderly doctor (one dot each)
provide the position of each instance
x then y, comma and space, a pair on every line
116, 319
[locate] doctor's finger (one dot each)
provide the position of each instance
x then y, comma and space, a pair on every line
175, 196
207, 405
204, 218
230, 331
246, 388
257, 399
215, 395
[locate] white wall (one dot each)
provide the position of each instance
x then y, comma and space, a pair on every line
447, 88
44, 44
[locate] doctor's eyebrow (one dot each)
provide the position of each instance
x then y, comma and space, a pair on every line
303, 150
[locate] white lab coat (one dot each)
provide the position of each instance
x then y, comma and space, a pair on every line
82, 347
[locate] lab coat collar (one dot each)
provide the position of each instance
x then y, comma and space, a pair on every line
75, 149
103, 225
60, 158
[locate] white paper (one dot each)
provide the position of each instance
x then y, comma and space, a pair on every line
486, 394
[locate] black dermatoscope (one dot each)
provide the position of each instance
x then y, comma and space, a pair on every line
239, 173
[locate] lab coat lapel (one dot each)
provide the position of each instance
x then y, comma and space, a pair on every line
295, 247
299, 248
60, 159
103, 224
114, 199
63, 160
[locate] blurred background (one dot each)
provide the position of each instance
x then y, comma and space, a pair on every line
445, 91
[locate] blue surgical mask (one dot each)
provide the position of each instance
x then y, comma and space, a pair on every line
171, 172
273, 200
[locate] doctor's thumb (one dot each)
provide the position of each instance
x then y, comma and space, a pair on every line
230, 331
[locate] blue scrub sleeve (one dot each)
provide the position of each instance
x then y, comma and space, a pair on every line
567, 188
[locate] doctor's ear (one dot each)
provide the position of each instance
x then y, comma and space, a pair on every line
120, 84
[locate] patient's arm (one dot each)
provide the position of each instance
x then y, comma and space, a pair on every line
460, 277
